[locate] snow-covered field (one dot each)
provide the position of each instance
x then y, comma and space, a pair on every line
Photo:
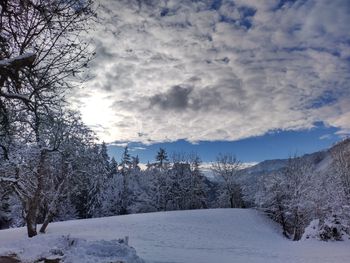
199, 236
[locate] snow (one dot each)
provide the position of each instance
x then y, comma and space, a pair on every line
101, 251
8, 62
70, 249
312, 230
10, 180
197, 236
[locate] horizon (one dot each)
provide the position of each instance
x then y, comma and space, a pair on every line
280, 145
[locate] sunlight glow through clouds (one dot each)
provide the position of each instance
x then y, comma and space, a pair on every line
97, 113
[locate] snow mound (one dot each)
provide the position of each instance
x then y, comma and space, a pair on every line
328, 229
101, 251
312, 230
70, 250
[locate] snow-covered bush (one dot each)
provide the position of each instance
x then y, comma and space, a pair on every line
332, 228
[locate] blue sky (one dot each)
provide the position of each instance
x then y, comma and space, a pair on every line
219, 75
274, 145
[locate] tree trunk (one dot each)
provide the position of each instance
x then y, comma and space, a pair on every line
46, 222
283, 221
232, 201
33, 204
31, 230
31, 223
297, 233
52, 207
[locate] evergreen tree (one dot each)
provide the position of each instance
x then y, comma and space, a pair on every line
198, 189
161, 157
125, 167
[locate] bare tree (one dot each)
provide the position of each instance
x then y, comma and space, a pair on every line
341, 165
271, 198
226, 168
287, 196
41, 47
297, 185
75, 136
41, 50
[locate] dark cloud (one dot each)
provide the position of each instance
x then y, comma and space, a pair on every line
226, 95
176, 98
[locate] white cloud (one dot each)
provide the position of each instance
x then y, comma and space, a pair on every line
181, 70
119, 144
325, 137
137, 148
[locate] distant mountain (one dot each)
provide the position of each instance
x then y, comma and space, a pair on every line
266, 166
321, 161
251, 177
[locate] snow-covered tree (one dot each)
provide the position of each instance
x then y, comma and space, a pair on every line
161, 157
5, 209
286, 196
297, 185
98, 177
158, 173
158, 186
226, 168
40, 48
341, 165
271, 197
125, 169
197, 196
178, 183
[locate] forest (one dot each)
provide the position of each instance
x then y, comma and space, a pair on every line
85, 182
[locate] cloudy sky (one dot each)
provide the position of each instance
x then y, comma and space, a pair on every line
220, 70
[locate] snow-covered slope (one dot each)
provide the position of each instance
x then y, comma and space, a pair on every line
321, 161
266, 166
198, 236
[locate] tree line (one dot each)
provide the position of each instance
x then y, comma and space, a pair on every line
88, 183
82, 181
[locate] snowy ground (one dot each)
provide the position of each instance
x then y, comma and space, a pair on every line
200, 236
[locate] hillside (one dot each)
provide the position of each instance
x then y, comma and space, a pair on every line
321, 161
198, 236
